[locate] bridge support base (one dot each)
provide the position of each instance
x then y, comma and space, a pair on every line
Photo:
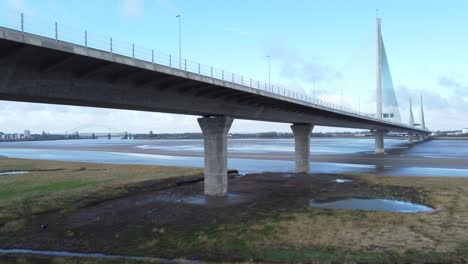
410, 137
302, 146
215, 130
379, 141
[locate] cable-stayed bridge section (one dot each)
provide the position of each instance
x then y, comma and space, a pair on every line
55, 70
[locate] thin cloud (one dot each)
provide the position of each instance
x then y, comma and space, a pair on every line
294, 66
444, 108
298, 73
16, 4
168, 6
459, 89
131, 8
19, 6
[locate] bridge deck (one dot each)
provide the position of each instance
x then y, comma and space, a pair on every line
44, 70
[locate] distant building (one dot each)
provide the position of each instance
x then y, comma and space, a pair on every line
27, 134
465, 131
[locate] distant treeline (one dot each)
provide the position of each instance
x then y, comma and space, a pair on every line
45, 137
451, 133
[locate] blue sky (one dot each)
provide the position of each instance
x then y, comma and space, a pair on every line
327, 43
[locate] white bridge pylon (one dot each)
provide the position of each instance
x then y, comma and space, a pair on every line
387, 107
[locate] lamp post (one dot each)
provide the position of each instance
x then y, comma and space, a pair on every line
180, 41
359, 104
313, 91
269, 72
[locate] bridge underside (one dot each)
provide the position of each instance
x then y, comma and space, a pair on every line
45, 75
41, 70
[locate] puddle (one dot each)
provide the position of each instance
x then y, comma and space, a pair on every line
196, 199
93, 256
432, 172
230, 198
342, 180
200, 199
14, 173
373, 205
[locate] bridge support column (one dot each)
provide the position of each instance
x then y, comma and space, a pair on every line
215, 130
302, 146
379, 141
421, 137
410, 137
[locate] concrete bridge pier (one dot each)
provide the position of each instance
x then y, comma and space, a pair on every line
215, 130
410, 137
379, 141
302, 146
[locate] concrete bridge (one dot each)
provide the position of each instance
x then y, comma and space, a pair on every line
47, 70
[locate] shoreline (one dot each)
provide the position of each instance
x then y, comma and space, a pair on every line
449, 138
395, 157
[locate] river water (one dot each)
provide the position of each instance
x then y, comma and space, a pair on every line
329, 155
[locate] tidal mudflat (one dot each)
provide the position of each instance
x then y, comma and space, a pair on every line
438, 158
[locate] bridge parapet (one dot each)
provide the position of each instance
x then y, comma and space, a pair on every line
54, 36
134, 54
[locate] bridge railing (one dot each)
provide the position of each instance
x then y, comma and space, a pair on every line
59, 32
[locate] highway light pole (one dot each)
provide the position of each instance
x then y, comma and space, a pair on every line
269, 72
180, 41
313, 91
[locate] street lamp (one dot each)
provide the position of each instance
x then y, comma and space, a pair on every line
313, 91
269, 72
180, 41
359, 104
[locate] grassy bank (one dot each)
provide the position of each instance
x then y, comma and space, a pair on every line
56, 186
316, 235
296, 234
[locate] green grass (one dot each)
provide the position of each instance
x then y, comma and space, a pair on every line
54, 186
329, 255
261, 243
9, 191
463, 251
292, 255
24, 166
